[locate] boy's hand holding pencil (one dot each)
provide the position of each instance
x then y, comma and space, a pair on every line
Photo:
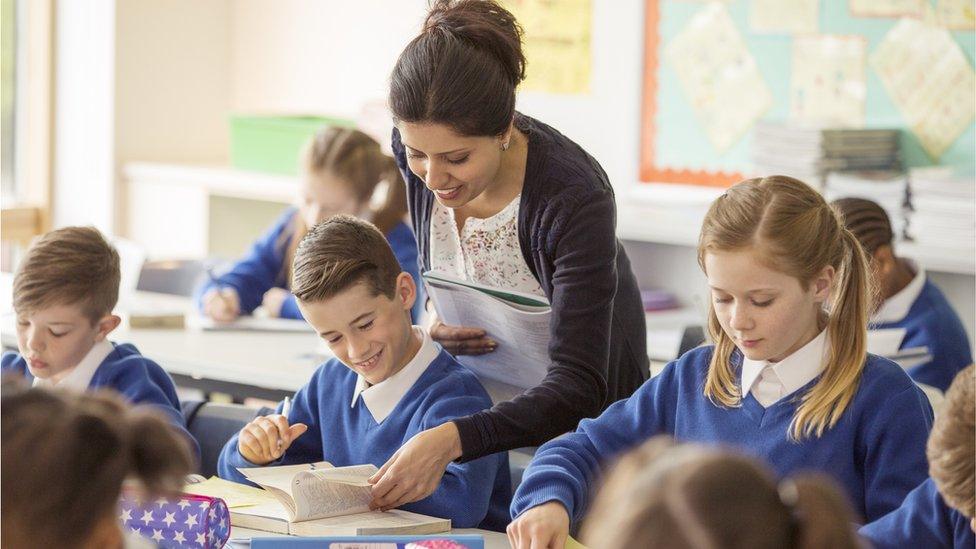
266, 438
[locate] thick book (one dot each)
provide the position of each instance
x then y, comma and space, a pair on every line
314, 499
517, 321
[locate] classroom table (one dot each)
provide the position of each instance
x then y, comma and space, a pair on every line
266, 365
241, 537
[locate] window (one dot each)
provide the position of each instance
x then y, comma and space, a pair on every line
25, 139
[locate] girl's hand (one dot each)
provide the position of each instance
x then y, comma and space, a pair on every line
266, 438
415, 470
545, 526
222, 305
273, 300
460, 340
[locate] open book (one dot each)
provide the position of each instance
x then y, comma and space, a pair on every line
313, 499
519, 322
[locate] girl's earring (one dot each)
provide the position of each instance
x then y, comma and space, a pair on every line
504, 146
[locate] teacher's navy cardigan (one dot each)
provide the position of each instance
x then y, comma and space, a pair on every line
567, 234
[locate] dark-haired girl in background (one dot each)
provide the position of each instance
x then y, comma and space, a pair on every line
502, 199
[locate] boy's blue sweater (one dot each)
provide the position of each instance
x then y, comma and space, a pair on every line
876, 452
138, 379
931, 322
473, 494
923, 520
261, 269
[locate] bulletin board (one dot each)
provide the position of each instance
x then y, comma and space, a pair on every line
675, 145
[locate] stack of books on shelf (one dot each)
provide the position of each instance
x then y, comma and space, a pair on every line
943, 209
810, 153
889, 189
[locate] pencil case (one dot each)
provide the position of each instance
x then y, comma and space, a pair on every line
187, 520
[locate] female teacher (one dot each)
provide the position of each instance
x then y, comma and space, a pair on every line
501, 199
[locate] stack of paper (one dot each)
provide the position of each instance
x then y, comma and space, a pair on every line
518, 322
944, 209
809, 153
888, 189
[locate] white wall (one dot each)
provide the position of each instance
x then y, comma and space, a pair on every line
307, 56
84, 158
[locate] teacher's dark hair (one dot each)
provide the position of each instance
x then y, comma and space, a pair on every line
461, 70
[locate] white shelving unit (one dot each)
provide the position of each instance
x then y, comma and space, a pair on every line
177, 198
639, 221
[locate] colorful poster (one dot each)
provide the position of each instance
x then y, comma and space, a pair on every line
957, 14
930, 81
827, 86
717, 71
887, 8
784, 16
556, 42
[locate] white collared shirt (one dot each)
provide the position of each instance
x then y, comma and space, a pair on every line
383, 397
896, 307
770, 381
79, 377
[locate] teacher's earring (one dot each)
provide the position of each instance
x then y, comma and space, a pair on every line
504, 146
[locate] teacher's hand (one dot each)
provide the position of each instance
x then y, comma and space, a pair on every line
415, 470
461, 340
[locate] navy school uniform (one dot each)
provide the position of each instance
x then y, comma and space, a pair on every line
929, 322
138, 379
350, 424
261, 269
876, 452
923, 520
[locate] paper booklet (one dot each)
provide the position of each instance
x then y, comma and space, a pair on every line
313, 499
886, 342
253, 324
518, 321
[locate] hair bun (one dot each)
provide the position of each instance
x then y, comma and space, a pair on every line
486, 26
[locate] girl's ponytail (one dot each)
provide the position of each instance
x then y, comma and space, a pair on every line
158, 456
847, 320
393, 210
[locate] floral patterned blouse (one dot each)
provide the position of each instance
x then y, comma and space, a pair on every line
486, 251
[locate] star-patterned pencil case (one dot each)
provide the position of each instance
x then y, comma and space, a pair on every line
188, 521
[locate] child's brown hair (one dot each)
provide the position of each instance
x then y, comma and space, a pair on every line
69, 266
65, 456
952, 445
356, 159
340, 252
796, 233
678, 496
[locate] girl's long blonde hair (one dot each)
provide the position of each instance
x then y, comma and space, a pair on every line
796, 233
357, 159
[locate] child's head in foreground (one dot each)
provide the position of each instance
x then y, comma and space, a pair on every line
65, 457
952, 446
350, 288
670, 495
64, 292
782, 268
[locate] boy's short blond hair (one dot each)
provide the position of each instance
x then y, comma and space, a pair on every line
339, 253
952, 445
69, 266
